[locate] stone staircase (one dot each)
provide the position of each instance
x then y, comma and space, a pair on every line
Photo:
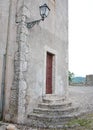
53, 112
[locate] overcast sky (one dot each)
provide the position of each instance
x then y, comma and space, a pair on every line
81, 37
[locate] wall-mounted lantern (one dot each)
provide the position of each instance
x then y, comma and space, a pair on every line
44, 11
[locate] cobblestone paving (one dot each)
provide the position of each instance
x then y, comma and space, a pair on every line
81, 96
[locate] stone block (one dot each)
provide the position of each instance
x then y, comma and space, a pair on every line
11, 127
21, 76
17, 54
23, 66
25, 11
22, 85
24, 30
2, 127
24, 48
22, 56
22, 37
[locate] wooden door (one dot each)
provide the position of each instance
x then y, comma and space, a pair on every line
49, 73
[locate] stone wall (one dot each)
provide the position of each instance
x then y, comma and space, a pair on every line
4, 38
89, 80
4, 12
26, 49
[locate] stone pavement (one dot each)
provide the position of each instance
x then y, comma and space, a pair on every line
81, 96
2, 127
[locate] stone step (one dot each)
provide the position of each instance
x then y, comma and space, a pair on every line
55, 112
42, 121
62, 105
53, 98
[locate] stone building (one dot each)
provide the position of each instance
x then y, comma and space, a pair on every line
33, 62
89, 80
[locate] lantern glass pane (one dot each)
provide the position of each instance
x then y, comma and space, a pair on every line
42, 11
47, 12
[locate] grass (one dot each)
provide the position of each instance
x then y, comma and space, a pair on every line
79, 122
84, 123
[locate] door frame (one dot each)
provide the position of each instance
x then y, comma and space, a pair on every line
54, 69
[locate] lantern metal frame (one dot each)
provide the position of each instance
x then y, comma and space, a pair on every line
43, 16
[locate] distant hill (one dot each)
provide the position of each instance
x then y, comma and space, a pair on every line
78, 80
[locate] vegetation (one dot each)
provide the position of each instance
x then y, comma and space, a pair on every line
84, 123
75, 80
80, 122
70, 76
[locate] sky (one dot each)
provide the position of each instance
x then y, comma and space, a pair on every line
81, 37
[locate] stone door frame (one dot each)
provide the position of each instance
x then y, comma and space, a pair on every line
54, 71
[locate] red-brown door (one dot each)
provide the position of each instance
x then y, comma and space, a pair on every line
49, 73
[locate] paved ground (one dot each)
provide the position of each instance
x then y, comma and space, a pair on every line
81, 96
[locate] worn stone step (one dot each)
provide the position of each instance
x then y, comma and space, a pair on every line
42, 121
48, 117
53, 98
55, 112
63, 105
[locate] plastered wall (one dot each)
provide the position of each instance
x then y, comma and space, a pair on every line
26, 49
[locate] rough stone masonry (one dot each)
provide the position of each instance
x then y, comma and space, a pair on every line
24, 56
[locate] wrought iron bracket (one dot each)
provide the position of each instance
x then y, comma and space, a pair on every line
31, 24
